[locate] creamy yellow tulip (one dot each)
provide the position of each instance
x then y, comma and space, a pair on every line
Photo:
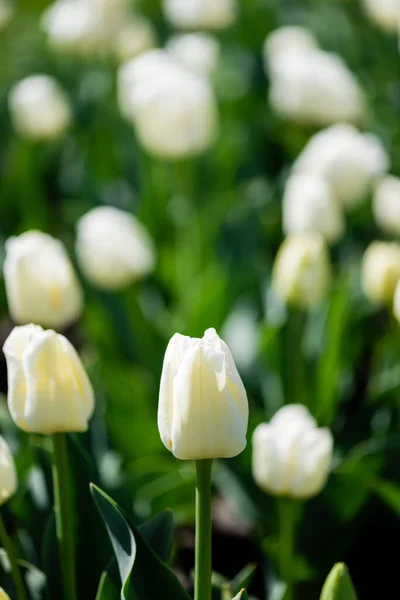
3, 595
8, 475
48, 388
203, 408
380, 271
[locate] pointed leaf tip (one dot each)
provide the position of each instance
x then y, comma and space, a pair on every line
338, 585
242, 595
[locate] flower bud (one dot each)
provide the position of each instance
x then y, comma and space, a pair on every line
41, 284
48, 388
349, 160
309, 206
6, 13
136, 36
174, 110
380, 271
338, 585
302, 271
197, 51
287, 39
385, 14
8, 475
291, 456
386, 204
113, 248
203, 408
200, 14
3, 595
39, 108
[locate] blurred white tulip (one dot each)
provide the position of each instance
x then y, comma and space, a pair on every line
350, 161
200, 14
309, 206
8, 474
40, 281
39, 108
301, 272
6, 13
198, 52
241, 334
385, 14
48, 388
113, 248
286, 39
386, 204
380, 271
135, 36
396, 301
291, 456
174, 110
203, 409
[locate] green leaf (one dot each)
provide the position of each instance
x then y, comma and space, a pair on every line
108, 586
159, 533
150, 577
242, 595
243, 578
338, 585
388, 492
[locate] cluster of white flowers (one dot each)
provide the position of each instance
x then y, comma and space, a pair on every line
308, 85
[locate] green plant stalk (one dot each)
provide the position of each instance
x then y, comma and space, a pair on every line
287, 527
294, 368
202, 585
63, 514
16, 573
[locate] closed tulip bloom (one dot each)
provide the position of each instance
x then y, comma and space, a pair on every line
385, 14
200, 14
113, 248
39, 108
309, 206
301, 272
349, 160
48, 388
291, 456
41, 284
386, 205
196, 51
203, 408
8, 475
286, 39
136, 36
380, 271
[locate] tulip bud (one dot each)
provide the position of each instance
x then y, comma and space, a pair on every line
197, 51
338, 585
113, 248
287, 39
309, 206
3, 595
200, 14
39, 108
6, 13
380, 271
48, 388
349, 160
203, 409
173, 110
386, 205
302, 271
383, 13
8, 475
291, 456
40, 281
135, 37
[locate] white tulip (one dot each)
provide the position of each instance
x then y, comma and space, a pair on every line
113, 248
386, 204
380, 271
286, 39
200, 14
3, 595
301, 272
198, 52
313, 87
8, 475
48, 388
6, 13
136, 36
309, 206
40, 281
39, 108
396, 301
384, 13
203, 408
174, 110
291, 456
350, 161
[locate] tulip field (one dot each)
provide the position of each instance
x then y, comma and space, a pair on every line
199, 299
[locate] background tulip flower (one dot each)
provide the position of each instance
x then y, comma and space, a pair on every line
380, 271
41, 284
385, 14
200, 14
39, 108
196, 51
6, 13
113, 248
291, 456
48, 388
8, 476
3, 595
203, 408
386, 205
301, 271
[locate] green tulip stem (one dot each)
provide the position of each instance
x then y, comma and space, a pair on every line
16, 573
63, 514
287, 527
202, 585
